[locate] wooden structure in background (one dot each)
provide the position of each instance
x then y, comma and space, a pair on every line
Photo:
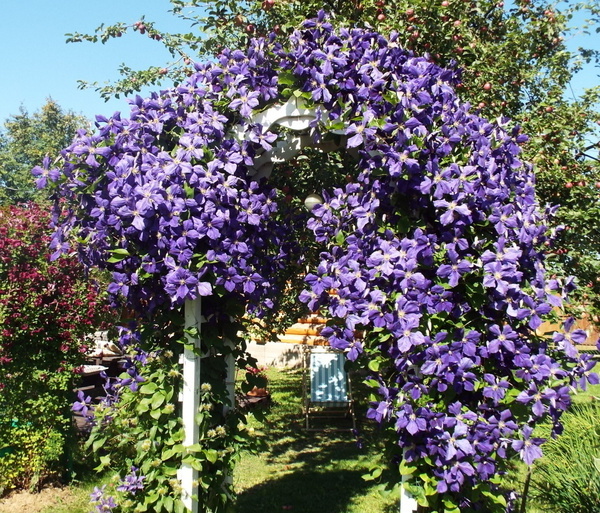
584, 324
306, 331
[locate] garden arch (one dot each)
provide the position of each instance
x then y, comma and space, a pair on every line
434, 248
296, 117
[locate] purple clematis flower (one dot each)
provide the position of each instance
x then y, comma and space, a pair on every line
529, 447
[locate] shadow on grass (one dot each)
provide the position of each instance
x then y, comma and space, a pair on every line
306, 491
285, 433
322, 448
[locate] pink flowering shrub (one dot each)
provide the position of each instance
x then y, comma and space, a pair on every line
47, 308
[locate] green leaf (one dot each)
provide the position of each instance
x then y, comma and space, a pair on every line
211, 455
155, 414
169, 471
98, 443
406, 468
148, 388
454, 509
286, 78
118, 255
151, 498
196, 464
167, 454
194, 448
372, 383
157, 400
429, 489
104, 462
168, 503
375, 365
373, 475
143, 406
495, 498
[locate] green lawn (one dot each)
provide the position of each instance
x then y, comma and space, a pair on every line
311, 472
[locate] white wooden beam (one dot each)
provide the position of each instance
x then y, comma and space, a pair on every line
408, 504
292, 114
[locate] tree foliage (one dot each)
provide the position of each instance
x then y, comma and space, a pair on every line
514, 59
25, 141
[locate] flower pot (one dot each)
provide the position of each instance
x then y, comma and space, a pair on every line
258, 392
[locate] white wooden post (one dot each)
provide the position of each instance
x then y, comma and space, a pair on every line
191, 400
408, 503
230, 386
230, 377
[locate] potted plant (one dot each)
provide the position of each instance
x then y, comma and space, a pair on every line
257, 376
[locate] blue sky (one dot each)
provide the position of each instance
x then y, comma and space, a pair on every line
36, 63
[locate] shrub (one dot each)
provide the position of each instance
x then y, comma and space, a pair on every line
566, 480
47, 309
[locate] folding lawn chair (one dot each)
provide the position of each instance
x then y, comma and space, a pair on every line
327, 389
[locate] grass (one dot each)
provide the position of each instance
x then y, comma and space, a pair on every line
78, 501
74, 498
305, 471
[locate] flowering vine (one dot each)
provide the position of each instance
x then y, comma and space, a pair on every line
431, 263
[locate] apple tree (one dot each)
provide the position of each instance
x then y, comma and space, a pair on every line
515, 62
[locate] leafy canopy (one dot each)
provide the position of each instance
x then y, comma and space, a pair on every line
515, 63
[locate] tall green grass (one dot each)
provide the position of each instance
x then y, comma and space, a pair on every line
566, 479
